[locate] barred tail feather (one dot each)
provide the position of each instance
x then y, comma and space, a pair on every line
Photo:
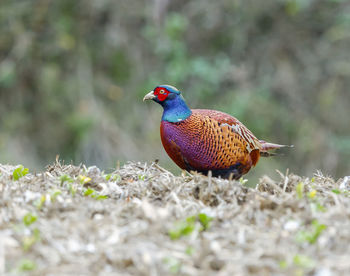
268, 154
266, 146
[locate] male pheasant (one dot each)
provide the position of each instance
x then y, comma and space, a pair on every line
206, 140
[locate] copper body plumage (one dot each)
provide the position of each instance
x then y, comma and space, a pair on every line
206, 140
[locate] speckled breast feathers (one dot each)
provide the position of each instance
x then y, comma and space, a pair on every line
210, 140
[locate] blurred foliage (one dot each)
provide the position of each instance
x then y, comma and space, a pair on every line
73, 74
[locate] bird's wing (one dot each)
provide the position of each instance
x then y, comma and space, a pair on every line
227, 121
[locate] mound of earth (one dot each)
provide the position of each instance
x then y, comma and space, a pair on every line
142, 220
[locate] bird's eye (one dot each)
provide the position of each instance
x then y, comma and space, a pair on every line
161, 91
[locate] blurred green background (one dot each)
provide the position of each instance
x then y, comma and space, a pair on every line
73, 75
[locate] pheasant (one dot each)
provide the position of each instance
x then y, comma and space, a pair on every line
205, 140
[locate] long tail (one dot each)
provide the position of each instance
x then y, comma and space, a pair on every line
266, 146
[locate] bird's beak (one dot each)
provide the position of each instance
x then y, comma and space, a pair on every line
149, 96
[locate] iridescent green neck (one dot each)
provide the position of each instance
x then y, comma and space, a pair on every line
175, 110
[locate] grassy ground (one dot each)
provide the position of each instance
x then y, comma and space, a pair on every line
142, 220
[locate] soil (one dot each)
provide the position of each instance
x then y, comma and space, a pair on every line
142, 220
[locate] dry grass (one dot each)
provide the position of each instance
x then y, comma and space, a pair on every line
154, 223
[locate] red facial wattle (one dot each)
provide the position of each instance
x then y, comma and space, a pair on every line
161, 94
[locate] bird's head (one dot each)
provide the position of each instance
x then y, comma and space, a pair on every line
163, 94
170, 98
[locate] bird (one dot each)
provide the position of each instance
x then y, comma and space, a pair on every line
204, 140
